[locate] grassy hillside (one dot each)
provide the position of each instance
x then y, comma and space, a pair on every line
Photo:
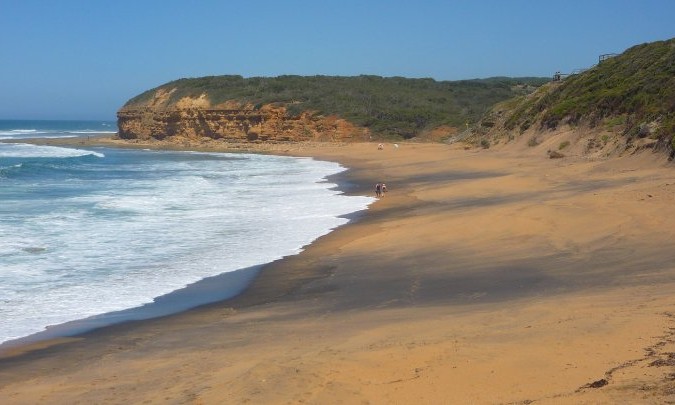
391, 107
632, 93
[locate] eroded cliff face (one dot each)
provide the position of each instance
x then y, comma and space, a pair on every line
195, 119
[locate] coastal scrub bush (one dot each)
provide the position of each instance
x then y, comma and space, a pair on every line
612, 122
640, 84
620, 93
393, 107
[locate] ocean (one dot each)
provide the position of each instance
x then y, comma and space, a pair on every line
96, 235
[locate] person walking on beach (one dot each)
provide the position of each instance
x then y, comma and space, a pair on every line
378, 190
383, 189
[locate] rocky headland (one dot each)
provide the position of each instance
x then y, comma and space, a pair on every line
195, 119
318, 108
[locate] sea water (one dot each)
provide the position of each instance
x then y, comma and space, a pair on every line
22, 129
90, 231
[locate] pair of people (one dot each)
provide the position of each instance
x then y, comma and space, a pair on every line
380, 189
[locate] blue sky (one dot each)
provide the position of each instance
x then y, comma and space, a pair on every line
83, 59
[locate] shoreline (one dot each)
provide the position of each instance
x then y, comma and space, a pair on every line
515, 277
210, 290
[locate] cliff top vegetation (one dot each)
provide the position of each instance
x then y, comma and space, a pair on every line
393, 107
632, 94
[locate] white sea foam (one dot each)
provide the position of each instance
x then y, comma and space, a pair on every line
25, 150
151, 225
92, 131
48, 134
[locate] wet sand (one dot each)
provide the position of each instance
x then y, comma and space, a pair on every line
492, 276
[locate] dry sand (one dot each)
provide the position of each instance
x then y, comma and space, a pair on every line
495, 276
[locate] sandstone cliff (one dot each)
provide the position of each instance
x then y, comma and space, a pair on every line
195, 118
297, 108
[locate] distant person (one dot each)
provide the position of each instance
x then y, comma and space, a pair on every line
383, 189
378, 190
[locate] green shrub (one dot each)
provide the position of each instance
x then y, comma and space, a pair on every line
393, 107
612, 122
633, 88
525, 125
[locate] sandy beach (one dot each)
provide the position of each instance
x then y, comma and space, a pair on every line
493, 276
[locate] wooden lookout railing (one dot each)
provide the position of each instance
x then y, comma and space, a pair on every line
561, 76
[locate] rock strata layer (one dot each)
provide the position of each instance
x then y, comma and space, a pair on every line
232, 122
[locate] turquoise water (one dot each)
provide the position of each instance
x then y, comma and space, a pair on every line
90, 231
